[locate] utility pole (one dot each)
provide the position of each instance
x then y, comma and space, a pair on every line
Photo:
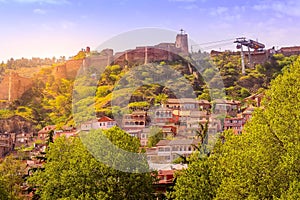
249, 57
243, 61
250, 44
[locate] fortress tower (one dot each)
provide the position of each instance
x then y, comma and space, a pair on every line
13, 86
182, 42
60, 71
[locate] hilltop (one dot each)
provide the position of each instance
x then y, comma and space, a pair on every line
46, 96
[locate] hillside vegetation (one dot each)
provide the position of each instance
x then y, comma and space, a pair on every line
260, 163
49, 101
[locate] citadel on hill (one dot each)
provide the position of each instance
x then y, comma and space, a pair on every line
137, 56
13, 86
178, 120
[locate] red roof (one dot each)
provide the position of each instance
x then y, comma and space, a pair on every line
46, 129
166, 176
163, 143
105, 119
166, 172
234, 118
294, 48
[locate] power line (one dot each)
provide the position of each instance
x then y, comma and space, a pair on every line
212, 42
213, 46
218, 45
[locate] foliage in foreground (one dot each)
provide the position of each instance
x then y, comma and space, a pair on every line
71, 172
263, 162
11, 172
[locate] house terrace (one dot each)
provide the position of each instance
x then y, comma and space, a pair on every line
168, 150
6, 144
188, 104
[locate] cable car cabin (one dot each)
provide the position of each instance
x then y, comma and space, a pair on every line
249, 43
256, 45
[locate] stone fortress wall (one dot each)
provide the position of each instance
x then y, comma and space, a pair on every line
13, 85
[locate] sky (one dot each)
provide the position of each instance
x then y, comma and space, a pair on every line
47, 28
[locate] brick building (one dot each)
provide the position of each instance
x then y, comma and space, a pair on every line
6, 144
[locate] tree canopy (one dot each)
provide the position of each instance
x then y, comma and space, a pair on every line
11, 172
261, 163
71, 172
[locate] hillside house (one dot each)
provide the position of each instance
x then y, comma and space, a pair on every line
188, 104
101, 123
87, 126
255, 99
43, 133
165, 180
6, 144
135, 121
135, 133
23, 139
289, 51
229, 107
66, 132
106, 122
236, 124
247, 113
164, 115
144, 136
167, 150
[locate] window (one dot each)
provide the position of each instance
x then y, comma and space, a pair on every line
161, 149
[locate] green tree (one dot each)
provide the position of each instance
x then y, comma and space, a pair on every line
195, 182
156, 135
11, 172
58, 101
102, 91
161, 98
80, 55
3, 191
71, 171
245, 93
142, 105
205, 95
261, 163
50, 138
